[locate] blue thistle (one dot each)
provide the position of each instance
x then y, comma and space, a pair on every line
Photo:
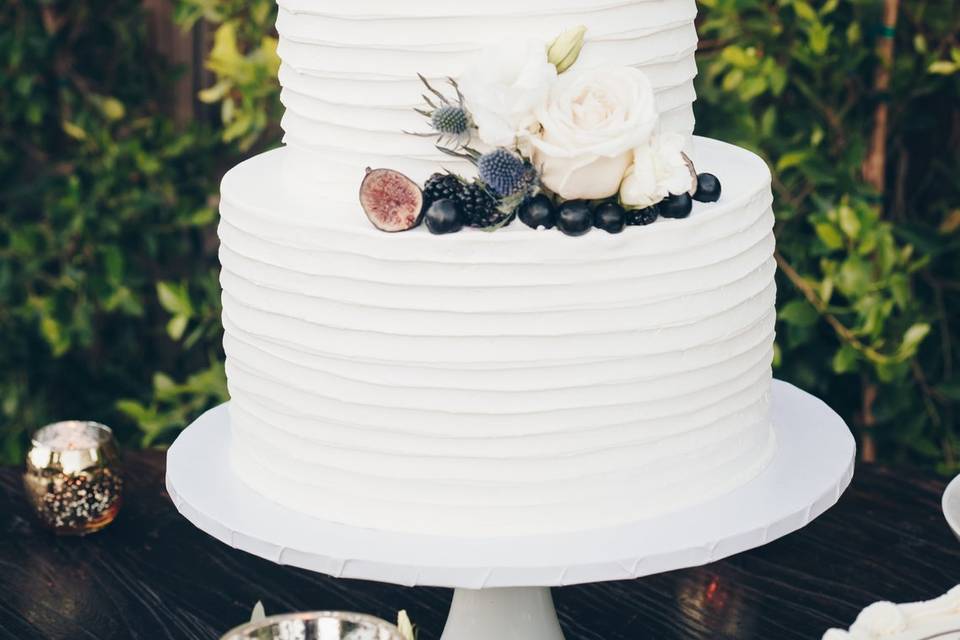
505, 172
450, 120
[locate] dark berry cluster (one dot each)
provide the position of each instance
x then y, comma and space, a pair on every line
475, 203
447, 203
576, 217
450, 204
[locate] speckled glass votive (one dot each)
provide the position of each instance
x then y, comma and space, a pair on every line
73, 476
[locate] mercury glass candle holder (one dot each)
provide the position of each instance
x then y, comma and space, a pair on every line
316, 625
73, 476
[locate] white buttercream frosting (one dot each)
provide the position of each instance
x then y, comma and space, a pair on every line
500, 383
349, 71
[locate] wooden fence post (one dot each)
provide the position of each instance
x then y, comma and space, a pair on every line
183, 49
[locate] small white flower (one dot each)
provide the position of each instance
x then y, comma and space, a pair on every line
591, 122
503, 87
659, 169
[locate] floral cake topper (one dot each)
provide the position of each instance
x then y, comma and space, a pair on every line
555, 143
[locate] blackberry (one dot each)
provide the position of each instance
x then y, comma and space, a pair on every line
640, 217
481, 207
440, 186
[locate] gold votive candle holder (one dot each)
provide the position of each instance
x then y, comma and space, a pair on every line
73, 476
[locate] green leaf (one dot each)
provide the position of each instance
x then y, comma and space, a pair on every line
829, 235
174, 298
791, 159
804, 11
113, 263
819, 37
826, 290
55, 336
176, 326
732, 80
798, 313
950, 390
853, 278
75, 131
912, 339
829, 7
112, 108
943, 67
739, 57
845, 359
849, 222
163, 383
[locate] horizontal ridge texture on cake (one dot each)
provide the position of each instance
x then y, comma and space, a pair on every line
349, 69
506, 383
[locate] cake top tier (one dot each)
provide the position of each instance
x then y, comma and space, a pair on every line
349, 71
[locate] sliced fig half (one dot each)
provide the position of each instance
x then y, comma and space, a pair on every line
391, 200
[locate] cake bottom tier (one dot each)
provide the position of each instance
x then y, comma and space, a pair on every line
494, 384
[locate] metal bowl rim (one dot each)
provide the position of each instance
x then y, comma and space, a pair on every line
349, 616
951, 494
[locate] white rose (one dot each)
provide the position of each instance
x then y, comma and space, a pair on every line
592, 121
503, 87
659, 169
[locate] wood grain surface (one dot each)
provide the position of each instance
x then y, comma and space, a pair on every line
151, 575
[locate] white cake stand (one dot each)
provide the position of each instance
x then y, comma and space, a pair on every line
502, 585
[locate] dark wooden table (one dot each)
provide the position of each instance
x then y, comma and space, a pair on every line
152, 575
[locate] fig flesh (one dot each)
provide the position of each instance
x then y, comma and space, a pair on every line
392, 201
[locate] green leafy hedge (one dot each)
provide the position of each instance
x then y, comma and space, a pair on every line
108, 291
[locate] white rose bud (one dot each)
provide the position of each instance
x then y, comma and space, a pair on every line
565, 50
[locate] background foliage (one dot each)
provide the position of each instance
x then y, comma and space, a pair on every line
108, 290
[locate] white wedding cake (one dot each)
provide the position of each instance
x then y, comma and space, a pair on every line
519, 381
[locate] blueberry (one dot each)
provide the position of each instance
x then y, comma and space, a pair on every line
574, 217
708, 188
676, 206
444, 216
639, 217
610, 217
538, 212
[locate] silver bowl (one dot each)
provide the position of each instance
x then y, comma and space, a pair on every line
316, 625
951, 505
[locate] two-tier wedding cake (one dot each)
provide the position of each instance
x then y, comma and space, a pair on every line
574, 328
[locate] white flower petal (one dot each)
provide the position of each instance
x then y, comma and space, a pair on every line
589, 126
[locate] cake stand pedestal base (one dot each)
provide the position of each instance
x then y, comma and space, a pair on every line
509, 613
502, 584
